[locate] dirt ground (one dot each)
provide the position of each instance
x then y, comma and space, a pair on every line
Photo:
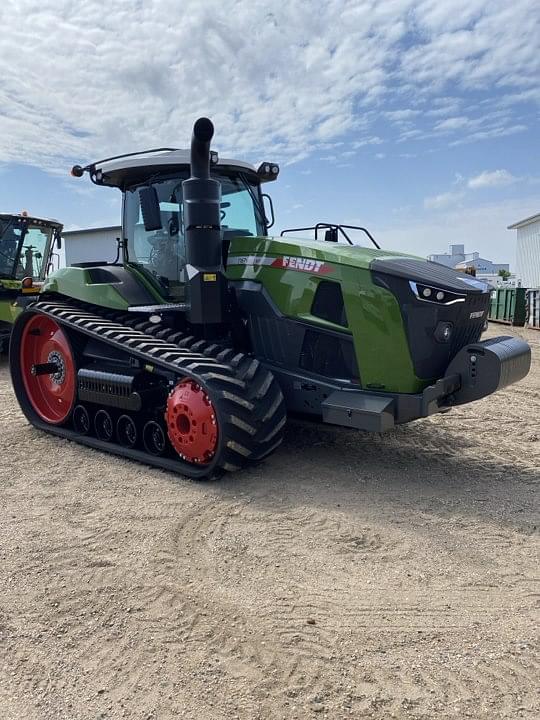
350, 575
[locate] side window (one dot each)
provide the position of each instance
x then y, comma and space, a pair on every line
237, 212
9, 244
162, 251
33, 254
328, 303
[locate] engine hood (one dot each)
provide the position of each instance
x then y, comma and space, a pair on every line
403, 265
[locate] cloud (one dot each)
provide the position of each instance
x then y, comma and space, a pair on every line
480, 227
453, 123
489, 134
399, 116
495, 178
442, 201
278, 80
374, 140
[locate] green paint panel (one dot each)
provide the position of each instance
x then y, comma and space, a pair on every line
373, 313
75, 282
351, 255
9, 311
144, 279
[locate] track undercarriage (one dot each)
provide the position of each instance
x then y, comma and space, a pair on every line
115, 381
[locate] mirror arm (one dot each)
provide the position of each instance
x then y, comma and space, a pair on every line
273, 219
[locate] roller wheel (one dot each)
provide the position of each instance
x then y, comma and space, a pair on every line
154, 438
81, 420
103, 425
47, 369
126, 431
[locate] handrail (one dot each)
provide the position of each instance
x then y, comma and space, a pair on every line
338, 228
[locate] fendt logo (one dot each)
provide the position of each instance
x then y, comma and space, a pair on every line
302, 264
285, 262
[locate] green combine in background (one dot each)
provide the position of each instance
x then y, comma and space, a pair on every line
26, 254
191, 352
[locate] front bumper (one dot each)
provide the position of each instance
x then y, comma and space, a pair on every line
478, 370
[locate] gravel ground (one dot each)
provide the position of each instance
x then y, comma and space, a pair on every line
350, 575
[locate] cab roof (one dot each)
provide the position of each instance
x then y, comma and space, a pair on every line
130, 170
33, 219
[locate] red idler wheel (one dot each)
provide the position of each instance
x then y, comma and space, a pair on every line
52, 394
192, 422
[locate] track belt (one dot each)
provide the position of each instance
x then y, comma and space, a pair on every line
152, 351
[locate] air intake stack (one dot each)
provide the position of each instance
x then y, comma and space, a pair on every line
202, 198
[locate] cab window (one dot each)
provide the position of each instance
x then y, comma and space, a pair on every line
33, 254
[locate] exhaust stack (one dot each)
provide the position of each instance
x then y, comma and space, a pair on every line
202, 197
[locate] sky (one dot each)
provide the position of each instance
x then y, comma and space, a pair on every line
418, 119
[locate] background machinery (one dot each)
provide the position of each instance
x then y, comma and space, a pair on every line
26, 254
190, 353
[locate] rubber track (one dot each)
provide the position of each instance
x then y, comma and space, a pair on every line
250, 405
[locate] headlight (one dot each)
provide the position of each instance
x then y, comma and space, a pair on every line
428, 293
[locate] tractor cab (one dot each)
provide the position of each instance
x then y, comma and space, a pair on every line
26, 257
154, 224
26, 247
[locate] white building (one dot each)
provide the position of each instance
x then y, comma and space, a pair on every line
528, 251
458, 257
450, 259
90, 245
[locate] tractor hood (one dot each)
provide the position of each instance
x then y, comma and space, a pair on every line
258, 250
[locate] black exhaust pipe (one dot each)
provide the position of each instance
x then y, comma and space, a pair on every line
203, 132
202, 205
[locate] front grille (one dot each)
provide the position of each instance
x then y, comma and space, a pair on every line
429, 357
467, 331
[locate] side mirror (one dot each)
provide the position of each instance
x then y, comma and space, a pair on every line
151, 214
270, 204
59, 241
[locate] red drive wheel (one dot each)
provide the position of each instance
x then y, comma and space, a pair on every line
48, 369
192, 422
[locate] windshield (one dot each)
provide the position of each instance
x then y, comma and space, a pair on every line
162, 252
23, 251
33, 256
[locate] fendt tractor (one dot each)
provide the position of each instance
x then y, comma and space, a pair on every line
191, 352
26, 255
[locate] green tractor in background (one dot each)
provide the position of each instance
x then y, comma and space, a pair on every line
191, 352
26, 255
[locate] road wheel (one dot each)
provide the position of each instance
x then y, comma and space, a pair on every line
48, 369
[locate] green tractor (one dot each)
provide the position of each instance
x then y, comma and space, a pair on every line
26, 254
190, 354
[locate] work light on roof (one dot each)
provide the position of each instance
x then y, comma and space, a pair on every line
268, 171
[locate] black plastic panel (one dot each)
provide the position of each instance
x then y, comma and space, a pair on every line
430, 273
421, 319
291, 343
328, 303
329, 355
489, 366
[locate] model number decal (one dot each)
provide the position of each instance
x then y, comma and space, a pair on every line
284, 262
477, 314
